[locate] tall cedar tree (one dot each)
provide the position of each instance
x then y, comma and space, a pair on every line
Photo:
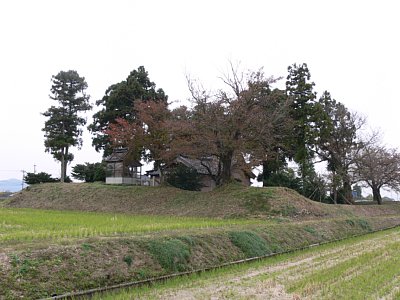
63, 126
338, 143
300, 91
379, 167
118, 103
234, 127
275, 163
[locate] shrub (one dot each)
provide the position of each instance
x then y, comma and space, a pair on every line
285, 178
251, 244
172, 255
184, 178
128, 260
311, 230
364, 224
360, 222
42, 177
89, 172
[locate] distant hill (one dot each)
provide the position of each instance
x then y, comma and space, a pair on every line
10, 185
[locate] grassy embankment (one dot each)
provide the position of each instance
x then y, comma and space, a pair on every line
227, 202
366, 267
52, 252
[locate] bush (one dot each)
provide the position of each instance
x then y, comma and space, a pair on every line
89, 172
42, 177
285, 178
360, 222
250, 243
184, 178
172, 255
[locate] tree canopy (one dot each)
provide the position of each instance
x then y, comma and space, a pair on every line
119, 103
251, 122
379, 167
89, 172
235, 126
299, 89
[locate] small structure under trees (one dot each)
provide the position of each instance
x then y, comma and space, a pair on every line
121, 169
236, 127
207, 168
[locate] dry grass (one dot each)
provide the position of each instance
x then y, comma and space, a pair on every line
225, 202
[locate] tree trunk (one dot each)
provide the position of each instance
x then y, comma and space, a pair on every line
377, 195
226, 162
348, 195
334, 188
62, 178
66, 162
335, 195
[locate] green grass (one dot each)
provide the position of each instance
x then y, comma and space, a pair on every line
366, 267
250, 243
18, 225
172, 254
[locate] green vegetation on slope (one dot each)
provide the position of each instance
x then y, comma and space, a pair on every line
38, 269
250, 243
47, 252
366, 267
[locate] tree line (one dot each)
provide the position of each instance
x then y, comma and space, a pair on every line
250, 122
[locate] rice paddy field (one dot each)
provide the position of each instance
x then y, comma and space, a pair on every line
25, 225
57, 239
366, 267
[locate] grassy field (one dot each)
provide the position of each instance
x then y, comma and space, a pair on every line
58, 238
366, 267
22, 225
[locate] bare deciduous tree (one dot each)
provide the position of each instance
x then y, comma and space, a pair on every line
237, 127
379, 167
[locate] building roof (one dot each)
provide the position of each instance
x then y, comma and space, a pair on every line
202, 166
119, 155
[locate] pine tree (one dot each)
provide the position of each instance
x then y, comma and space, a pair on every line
118, 103
300, 91
63, 126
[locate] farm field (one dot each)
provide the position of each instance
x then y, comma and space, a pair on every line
57, 239
366, 267
25, 225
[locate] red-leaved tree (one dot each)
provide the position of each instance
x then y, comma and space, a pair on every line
237, 128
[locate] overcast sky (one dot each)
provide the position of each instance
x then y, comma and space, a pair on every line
352, 49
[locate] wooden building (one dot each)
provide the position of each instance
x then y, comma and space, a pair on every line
123, 170
206, 168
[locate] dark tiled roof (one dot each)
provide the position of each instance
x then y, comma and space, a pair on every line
118, 155
202, 166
